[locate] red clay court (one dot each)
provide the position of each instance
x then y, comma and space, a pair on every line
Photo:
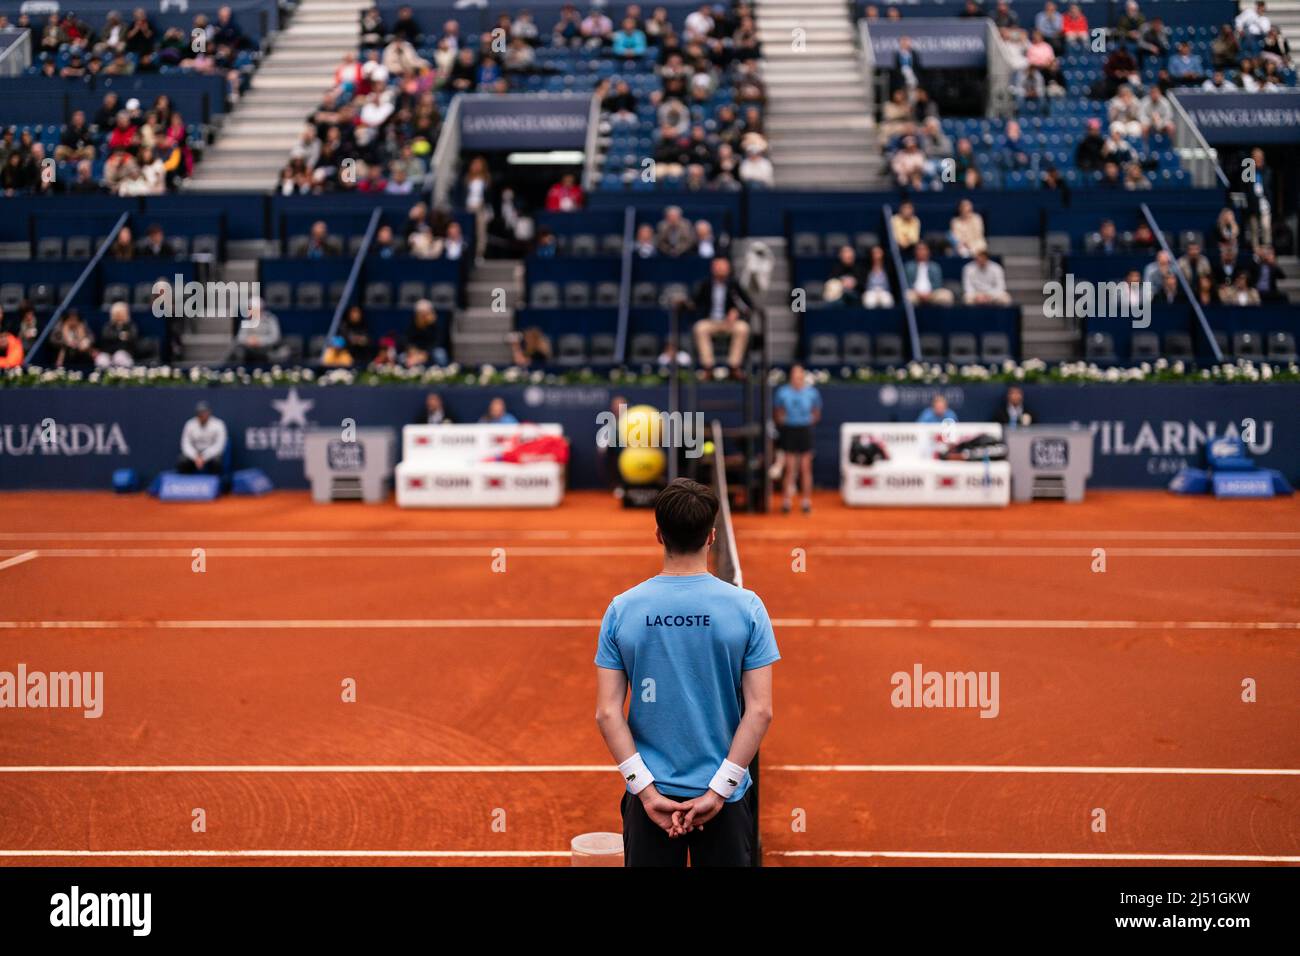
1119, 690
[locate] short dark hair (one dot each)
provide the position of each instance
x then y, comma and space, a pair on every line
685, 512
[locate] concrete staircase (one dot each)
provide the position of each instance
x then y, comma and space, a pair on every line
819, 128
782, 326
255, 141
1045, 337
478, 333
1283, 14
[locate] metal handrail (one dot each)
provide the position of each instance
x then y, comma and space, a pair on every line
913, 332
1184, 284
625, 286
76, 287
353, 275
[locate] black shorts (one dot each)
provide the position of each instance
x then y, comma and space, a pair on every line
726, 840
796, 439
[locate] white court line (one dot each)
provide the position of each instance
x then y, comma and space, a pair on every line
874, 551
1031, 768
560, 623
359, 854
535, 854
1094, 857
391, 552
17, 559
744, 533
604, 768
1002, 551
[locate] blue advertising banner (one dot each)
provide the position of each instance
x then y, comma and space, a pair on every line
519, 122
1244, 117
1143, 434
939, 43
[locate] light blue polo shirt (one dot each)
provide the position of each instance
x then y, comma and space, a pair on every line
683, 642
798, 404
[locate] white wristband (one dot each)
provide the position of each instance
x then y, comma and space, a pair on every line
636, 774
727, 779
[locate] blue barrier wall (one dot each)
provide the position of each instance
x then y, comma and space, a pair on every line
1144, 433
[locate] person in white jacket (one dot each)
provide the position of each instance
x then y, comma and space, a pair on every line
203, 443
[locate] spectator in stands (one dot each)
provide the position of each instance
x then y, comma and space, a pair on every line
1170, 292
85, 181
336, 353
1265, 275
1125, 113
1106, 241
1153, 41
497, 414
877, 290
1111, 177
924, 280
140, 35
1088, 154
530, 348
320, 244
1185, 67
1194, 264
756, 169
155, 244
643, 243
706, 244
723, 308
1157, 115
1012, 412
936, 412
908, 162
122, 247
258, 340
565, 196
1240, 292
674, 236
1225, 49
384, 245
983, 282
74, 348
1134, 178
203, 443
596, 29
1006, 20
1119, 68
1229, 263
119, 338
966, 230
356, 335
906, 227
1258, 188
424, 343
1050, 24
845, 283
76, 142
1218, 83
1156, 270
1276, 49
1226, 228
453, 244
434, 411
629, 42
1074, 26
11, 347
1253, 23
1131, 21
1207, 292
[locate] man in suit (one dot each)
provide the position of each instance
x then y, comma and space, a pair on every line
723, 307
1265, 275
1013, 412
154, 245
925, 280
320, 244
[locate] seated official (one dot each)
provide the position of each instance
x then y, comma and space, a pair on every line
203, 443
722, 305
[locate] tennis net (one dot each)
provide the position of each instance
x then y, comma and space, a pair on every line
726, 565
